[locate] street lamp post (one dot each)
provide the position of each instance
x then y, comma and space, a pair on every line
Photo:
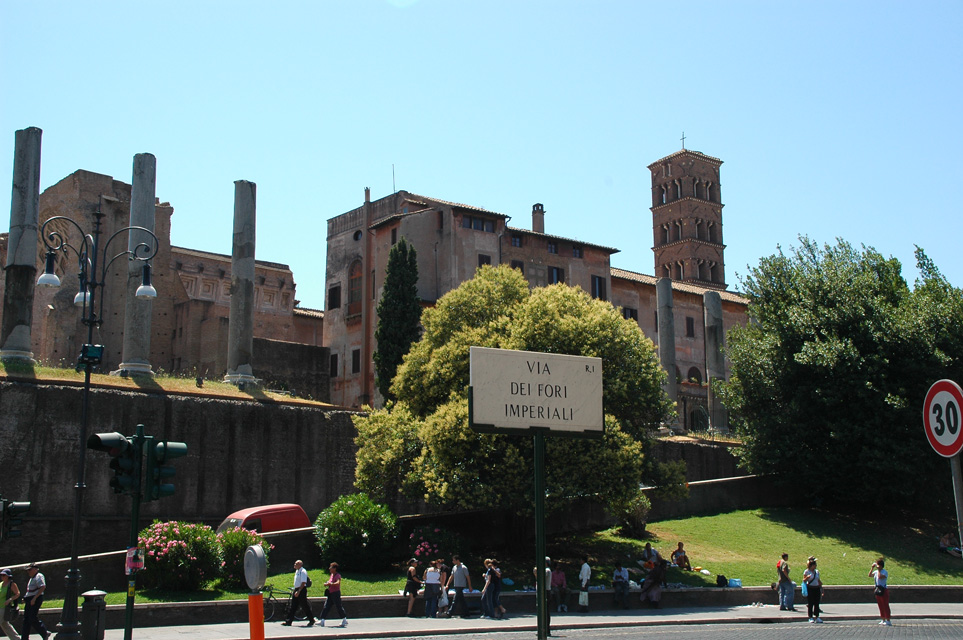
92, 277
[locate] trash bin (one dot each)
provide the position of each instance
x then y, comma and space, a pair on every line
93, 615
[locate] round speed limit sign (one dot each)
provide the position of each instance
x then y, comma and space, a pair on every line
942, 417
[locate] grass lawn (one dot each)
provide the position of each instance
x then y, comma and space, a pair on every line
739, 544
747, 544
159, 383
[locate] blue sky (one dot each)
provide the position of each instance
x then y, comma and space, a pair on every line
834, 119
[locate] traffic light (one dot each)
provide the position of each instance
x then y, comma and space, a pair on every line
126, 463
11, 517
158, 471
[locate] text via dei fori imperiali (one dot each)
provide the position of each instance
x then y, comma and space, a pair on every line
539, 400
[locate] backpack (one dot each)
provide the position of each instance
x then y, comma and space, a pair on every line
308, 583
722, 581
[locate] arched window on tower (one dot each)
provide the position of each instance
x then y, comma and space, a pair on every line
354, 288
694, 375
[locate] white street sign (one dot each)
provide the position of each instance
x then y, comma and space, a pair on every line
941, 417
523, 389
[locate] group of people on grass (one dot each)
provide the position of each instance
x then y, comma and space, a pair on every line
437, 579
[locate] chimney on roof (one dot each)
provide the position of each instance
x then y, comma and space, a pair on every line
367, 194
538, 218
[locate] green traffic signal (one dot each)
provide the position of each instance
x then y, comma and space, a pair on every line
126, 454
158, 471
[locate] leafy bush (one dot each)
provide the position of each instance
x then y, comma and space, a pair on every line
180, 556
430, 542
357, 533
234, 543
632, 514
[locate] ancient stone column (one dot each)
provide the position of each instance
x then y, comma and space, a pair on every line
21, 267
135, 358
663, 294
715, 360
240, 339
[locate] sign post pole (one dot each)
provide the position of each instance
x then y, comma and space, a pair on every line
942, 417
538, 394
957, 494
541, 606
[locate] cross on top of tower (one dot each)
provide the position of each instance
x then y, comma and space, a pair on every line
683, 140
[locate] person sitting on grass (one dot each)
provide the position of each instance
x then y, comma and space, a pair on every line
950, 545
652, 586
681, 559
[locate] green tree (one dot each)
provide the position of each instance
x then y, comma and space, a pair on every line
399, 312
829, 376
432, 450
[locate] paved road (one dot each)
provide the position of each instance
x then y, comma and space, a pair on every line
857, 630
842, 621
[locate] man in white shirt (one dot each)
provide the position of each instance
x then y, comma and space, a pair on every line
300, 598
584, 575
32, 601
620, 582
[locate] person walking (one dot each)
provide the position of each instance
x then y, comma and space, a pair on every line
880, 576
332, 589
32, 602
412, 584
786, 588
459, 580
299, 599
497, 595
443, 602
488, 591
814, 590
11, 594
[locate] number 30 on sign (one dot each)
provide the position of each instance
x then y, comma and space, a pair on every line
942, 417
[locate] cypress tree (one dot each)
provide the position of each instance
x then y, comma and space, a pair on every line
399, 314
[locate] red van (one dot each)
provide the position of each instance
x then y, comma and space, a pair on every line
270, 517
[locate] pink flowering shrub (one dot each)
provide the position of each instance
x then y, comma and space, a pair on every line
234, 543
431, 542
180, 556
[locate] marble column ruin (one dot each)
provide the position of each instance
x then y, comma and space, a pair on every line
663, 293
135, 358
240, 340
715, 359
21, 267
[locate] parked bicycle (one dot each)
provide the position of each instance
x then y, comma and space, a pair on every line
274, 604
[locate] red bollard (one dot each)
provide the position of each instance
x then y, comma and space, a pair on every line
255, 614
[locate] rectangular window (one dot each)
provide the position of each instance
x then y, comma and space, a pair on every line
689, 327
552, 247
656, 314
518, 264
334, 297
516, 241
576, 252
394, 236
598, 287
483, 259
478, 224
630, 314
556, 275
466, 222
490, 226
441, 220
334, 365
356, 361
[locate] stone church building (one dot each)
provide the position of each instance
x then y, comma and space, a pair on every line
452, 240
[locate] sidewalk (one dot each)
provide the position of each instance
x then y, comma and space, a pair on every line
408, 627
